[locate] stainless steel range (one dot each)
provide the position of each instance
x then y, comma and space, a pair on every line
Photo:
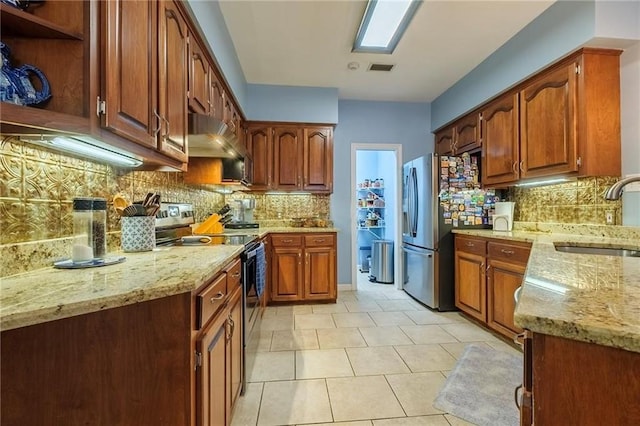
173, 228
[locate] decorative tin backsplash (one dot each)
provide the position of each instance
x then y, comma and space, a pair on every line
37, 187
580, 201
284, 207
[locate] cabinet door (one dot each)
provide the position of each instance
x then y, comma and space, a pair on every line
130, 77
319, 273
318, 159
211, 392
470, 289
467, 134
199, 89
260, 145
287, 158
444, 142
172, 75
234, 350
286, 274
502, 281
216, 97
548, 124
500, 131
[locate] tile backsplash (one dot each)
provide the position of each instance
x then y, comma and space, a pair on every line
37, 188
578, 201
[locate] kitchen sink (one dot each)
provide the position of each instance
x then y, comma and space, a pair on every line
588, 249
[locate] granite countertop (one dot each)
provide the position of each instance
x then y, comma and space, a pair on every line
165, 271
586, 297
64, 293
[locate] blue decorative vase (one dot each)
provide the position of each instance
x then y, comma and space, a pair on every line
15, 83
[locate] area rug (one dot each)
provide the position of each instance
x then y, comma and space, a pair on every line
480, 387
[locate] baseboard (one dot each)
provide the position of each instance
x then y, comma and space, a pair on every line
344, 287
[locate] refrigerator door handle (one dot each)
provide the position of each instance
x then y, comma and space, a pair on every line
418, 252
414, 179
410, 203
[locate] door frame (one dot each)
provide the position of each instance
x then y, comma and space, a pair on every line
397, 232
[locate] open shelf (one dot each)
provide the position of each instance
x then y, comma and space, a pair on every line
16, 117
16, 22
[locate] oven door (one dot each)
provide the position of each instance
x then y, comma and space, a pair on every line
251, 308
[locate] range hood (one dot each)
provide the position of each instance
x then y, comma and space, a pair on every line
211, 137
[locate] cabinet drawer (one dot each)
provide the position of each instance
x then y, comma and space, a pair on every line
509, 252
471, 245
319, 240
234, 274
211, 299
286, 240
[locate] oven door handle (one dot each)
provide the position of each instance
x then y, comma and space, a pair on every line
253, 252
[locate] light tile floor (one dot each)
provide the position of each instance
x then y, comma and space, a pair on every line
375, 358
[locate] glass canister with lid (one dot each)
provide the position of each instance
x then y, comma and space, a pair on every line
99, 227
82, 248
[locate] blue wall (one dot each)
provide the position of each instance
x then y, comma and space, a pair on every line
372, 123
289, 103
563, 27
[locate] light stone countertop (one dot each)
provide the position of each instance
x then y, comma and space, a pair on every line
48, 294
586, 297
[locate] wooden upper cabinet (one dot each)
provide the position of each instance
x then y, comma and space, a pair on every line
130, 78
501, 143
467, 134
260, 146
199, 86
287, 156
172, 78
318, 159
444, 141
216, 97
548, 123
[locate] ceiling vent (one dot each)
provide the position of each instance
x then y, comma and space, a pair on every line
381, 67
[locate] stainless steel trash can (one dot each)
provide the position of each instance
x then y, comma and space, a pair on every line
382, 262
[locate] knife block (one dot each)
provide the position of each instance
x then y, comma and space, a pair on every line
210, 226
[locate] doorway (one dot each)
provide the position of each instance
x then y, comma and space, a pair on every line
376, 210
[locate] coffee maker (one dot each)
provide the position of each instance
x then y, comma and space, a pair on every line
243, 214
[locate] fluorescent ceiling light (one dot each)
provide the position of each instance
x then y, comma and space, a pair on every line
383, 24
89, 148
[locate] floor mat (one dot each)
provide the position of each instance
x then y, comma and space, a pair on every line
480, 388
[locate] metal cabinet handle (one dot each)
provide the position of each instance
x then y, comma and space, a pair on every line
157, 130
519, 339
218, 296
515, 396
469, 244
236, 275
522, 166
233, 326
287, 241
514, 166
319, 240
508, 252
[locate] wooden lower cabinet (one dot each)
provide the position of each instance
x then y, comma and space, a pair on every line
303, 267
126, 365
470, 291
148, 363
219, 355
487, 273
582, 383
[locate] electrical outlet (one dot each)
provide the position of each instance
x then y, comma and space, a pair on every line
609, 217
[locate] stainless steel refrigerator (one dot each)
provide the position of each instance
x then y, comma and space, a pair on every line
427, 241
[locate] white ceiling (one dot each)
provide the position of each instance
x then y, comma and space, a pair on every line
308, 43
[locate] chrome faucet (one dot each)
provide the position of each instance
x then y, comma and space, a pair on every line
615, 191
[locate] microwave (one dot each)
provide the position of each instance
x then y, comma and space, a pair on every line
237, 170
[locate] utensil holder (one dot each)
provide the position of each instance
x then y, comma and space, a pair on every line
138, 233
